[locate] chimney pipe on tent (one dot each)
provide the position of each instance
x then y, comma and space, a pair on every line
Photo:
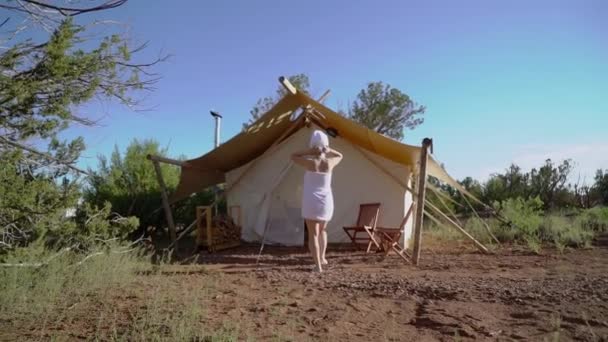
218, 121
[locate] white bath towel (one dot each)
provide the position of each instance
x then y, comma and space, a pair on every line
317, 198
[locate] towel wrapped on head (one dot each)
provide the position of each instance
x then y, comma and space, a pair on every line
319, 139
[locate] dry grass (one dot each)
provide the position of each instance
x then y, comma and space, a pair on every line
123, 297
551, 230
64, 299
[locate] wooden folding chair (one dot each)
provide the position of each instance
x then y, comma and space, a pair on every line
389, 237
366, 223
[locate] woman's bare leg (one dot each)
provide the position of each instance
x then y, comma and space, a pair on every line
323, 241
313, 242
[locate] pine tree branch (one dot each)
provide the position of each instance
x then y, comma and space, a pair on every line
42, 154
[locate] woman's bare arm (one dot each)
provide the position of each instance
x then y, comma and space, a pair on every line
313, 152
331, 153
301, 158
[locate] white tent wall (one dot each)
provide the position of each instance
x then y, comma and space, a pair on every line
270, 192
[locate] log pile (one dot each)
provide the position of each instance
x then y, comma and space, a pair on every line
225, 231
222, 233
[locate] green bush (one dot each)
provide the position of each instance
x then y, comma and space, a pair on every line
527, 224
475, 226
564, 232
524, 218
533, 244
33, 200
440, 232
36, 208
594, 219
128, 181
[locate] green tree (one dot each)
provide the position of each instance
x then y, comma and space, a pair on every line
512, 183
43, 83
129, 182
549, 181
515, 182
264, 104
32, 200
44, 80
600, 188
494, 190
386, 110
472, 186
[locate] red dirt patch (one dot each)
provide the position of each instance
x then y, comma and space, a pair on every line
511, 294
360, 297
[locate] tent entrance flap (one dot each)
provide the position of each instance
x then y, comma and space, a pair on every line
282, 219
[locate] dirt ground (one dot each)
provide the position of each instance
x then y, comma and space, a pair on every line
455, 293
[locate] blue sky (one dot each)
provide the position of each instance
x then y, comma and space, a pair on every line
511, 81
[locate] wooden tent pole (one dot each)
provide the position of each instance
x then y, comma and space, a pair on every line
488, 230
477, 244
446, 207
421, 192
165, 198
183, 164
293, 90
324, 96
165, 160
439, 192
184, 232
287, 85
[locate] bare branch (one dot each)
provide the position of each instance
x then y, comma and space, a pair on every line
14, 8
5, 21
40, 264
71, 11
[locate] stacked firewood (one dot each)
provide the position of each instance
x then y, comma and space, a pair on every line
225, 233
225, 230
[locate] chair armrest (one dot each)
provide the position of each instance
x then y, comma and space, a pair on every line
353, 227
388, 229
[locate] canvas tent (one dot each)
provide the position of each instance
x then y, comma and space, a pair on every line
261, 180
270, 194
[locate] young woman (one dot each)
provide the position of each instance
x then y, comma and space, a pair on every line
317, 198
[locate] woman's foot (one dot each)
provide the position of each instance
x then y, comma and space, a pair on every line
324, 262
317, 269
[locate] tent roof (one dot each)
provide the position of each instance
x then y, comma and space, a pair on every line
278, 124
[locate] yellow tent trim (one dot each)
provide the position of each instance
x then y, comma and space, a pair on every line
210, 169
